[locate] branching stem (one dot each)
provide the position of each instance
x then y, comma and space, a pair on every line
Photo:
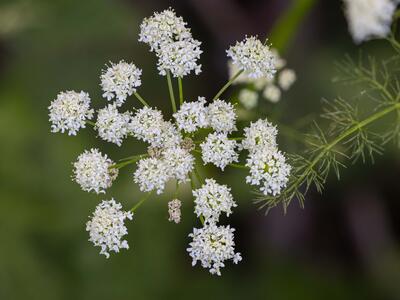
141, 201
140, 98
372, 118
228, 84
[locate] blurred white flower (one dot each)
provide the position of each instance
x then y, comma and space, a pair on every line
69, 112
93, 171
248, 98
286, 78
272, 93
106, 227
120, 81
369, 18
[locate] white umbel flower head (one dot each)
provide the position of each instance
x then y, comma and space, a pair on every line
170, 136
151, 174
221, 116
269, 170
212, 199
272, 93
113, 126
93, 171
261, 134
212, 245
179, 163
219, 150
253, 57
147, 125
69, 112
106, 227
369, 18
248, 98
174, 211
120, 81
163, 28
286, 78
180, 58
192, 115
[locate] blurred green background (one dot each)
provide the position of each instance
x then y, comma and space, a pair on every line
344, 245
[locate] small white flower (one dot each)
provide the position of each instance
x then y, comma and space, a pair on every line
369, 18
248, 98
163, 28
252, 56
192, 115
272, 93
93, 171
106, 227
212, 245
221, 116
219, 150
279, 61
120, 81
286, 78
170, 137
174, 211
147, 125
179, 163
151, 174
179, 58
69, 112
113, 126
261, 134
269, 170
212, 199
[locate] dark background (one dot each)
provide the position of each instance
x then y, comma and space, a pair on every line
343, 245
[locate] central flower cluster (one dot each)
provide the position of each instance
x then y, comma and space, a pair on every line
197, 127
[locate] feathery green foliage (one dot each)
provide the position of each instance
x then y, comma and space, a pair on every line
349, 134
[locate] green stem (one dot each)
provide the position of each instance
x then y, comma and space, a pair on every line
372, 118
236, 138
140, 99
129, 161
171, 92
141, 201
228, 84
198, 176
288, 24
238, 166
180, 90
91, 123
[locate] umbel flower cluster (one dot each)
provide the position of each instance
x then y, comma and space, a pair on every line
199, 128
268, 88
